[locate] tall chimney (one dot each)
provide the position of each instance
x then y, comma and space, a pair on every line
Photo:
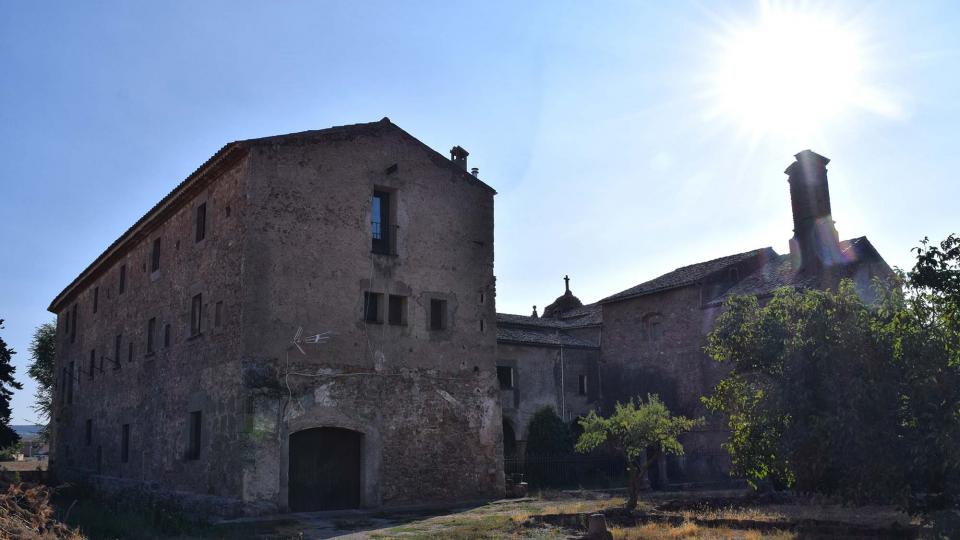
459, 156
815, 243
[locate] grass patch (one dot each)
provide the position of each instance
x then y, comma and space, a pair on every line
688, 530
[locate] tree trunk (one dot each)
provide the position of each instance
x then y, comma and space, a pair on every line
635, 472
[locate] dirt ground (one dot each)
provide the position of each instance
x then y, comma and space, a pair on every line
562, 515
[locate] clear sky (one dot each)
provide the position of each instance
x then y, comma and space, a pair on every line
624, 139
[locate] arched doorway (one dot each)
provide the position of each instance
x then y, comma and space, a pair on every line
324, 469
509, 441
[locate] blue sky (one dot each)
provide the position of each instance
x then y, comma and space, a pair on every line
600, 125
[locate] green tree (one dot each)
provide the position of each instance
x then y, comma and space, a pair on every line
548, 435
7, 384
43, 352
631, 430
827, 394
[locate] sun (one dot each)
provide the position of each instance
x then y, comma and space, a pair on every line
792, 71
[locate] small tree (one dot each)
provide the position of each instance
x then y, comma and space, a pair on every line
7, 435
547, 434
631, 430
43, 350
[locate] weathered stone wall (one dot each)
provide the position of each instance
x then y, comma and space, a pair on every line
155, 393
673, 366
426, 401
538, 372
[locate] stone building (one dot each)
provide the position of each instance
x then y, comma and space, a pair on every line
304, 323
651, 336
550, 361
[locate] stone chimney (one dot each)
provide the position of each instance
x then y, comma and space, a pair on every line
815, 243
459, 156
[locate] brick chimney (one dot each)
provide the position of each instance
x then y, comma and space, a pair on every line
815, 243
459, 156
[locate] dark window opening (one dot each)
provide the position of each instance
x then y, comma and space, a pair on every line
582, 385
125, 443
653, 327
196, 311
96, 298
93, 361
201, 222
155, 256
438, 314
166, 335
130, 351
381, 224
481, 325
397, 307
88, 434
116, 351
505, 376
151, 331
371, 307
193, 450
218, 314
123, 279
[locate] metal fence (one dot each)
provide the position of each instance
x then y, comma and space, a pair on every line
567, 471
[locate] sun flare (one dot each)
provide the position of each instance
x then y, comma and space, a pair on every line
792, 72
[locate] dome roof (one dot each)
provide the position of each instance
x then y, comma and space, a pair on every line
565, 302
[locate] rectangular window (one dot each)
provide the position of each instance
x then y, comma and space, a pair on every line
582, 385
371, 307
193, 450
123, 279
88, 434
151, 332
93, 361
380, 223
218, 314
125, 443
438, 314
505, 376
196, 309
130, 351
201, 222
166, 335
397, 309
116, 351
73, 324
155, 256
96, 298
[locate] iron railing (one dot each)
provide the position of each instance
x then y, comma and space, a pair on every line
384, 238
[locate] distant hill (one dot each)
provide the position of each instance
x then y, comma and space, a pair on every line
27, 431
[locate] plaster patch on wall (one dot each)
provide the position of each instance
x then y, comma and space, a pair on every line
322, 395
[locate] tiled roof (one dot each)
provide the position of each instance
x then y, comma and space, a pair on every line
528, 335
687, 275
225, 156
589, 315
779, 272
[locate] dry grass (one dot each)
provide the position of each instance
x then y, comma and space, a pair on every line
688, 530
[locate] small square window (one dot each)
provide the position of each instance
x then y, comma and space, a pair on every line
397, 309
371, 307
582, 385
438, 314
505, 376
